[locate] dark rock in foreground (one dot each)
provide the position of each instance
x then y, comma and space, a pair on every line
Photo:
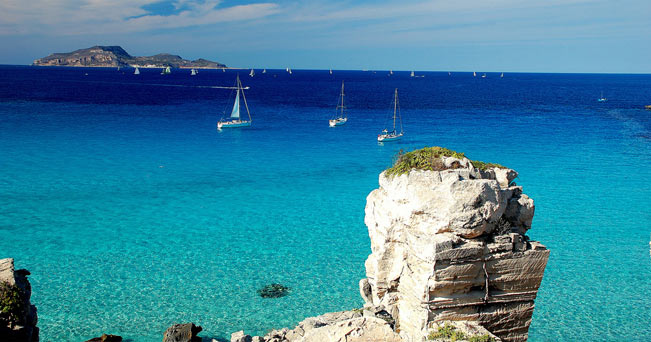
116, 56
18, 316
106, 338
182, 333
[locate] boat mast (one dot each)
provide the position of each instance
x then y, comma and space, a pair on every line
239, 87
342, 99
395, 106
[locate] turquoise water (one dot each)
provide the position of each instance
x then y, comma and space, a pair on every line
133, 213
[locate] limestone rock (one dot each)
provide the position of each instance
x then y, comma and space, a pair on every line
450, 245
360, 329
182, 333
19, 326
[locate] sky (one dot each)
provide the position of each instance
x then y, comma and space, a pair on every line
601, 36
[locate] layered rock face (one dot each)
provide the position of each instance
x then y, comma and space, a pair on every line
18, 316
451, 245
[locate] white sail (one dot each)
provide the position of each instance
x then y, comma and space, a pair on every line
412, 74
264, 71
474, 74
252, 73
330, 71
137, 71
193, 72
235, 114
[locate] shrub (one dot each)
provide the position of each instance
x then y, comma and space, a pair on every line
429, 158
12, 306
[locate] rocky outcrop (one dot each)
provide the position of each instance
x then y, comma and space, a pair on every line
18, 316
116, 56
451, 245
450, 258
182, 333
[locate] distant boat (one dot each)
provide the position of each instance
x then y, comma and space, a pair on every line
252, 73
223, 69
330, 71
264, 71
137, 71
166, 71
290, 71
340, 116
412, 74
483, 76
235, 120
118, 68
392, 135
602, 98
193, 72
449, 73
390, 72
474, 74
502, 75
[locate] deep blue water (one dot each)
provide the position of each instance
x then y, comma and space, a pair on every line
132, 212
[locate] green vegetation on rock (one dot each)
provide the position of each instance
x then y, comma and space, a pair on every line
429, 158
12, 308
450, 333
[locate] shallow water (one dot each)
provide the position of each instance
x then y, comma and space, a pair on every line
133, 213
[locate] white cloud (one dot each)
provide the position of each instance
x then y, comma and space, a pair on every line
81, 17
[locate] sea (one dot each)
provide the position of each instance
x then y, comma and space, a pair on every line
133, 212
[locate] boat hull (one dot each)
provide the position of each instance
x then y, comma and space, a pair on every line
388, 137
233, 124
337, 122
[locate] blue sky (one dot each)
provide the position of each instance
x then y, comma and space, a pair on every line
481, 35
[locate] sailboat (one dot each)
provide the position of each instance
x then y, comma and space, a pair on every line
449, 73
223, 69
137, 71
390, 72
290, 71
483, 76
193, 72
392, 135
502, 75
166, 71
340, 117
330, 71
474, 74
264, 71
412, 74
235, 120
252, 73
602, 98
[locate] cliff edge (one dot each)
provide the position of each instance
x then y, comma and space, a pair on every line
450, 258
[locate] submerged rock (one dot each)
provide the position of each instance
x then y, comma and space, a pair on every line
273, 291
182, 333
18, 317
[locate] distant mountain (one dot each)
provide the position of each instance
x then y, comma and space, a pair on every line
114, 56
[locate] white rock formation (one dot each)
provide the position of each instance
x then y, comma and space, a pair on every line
450, 245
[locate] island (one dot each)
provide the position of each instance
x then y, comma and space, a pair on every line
116, 56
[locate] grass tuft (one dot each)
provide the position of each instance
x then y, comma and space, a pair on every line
429, 158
